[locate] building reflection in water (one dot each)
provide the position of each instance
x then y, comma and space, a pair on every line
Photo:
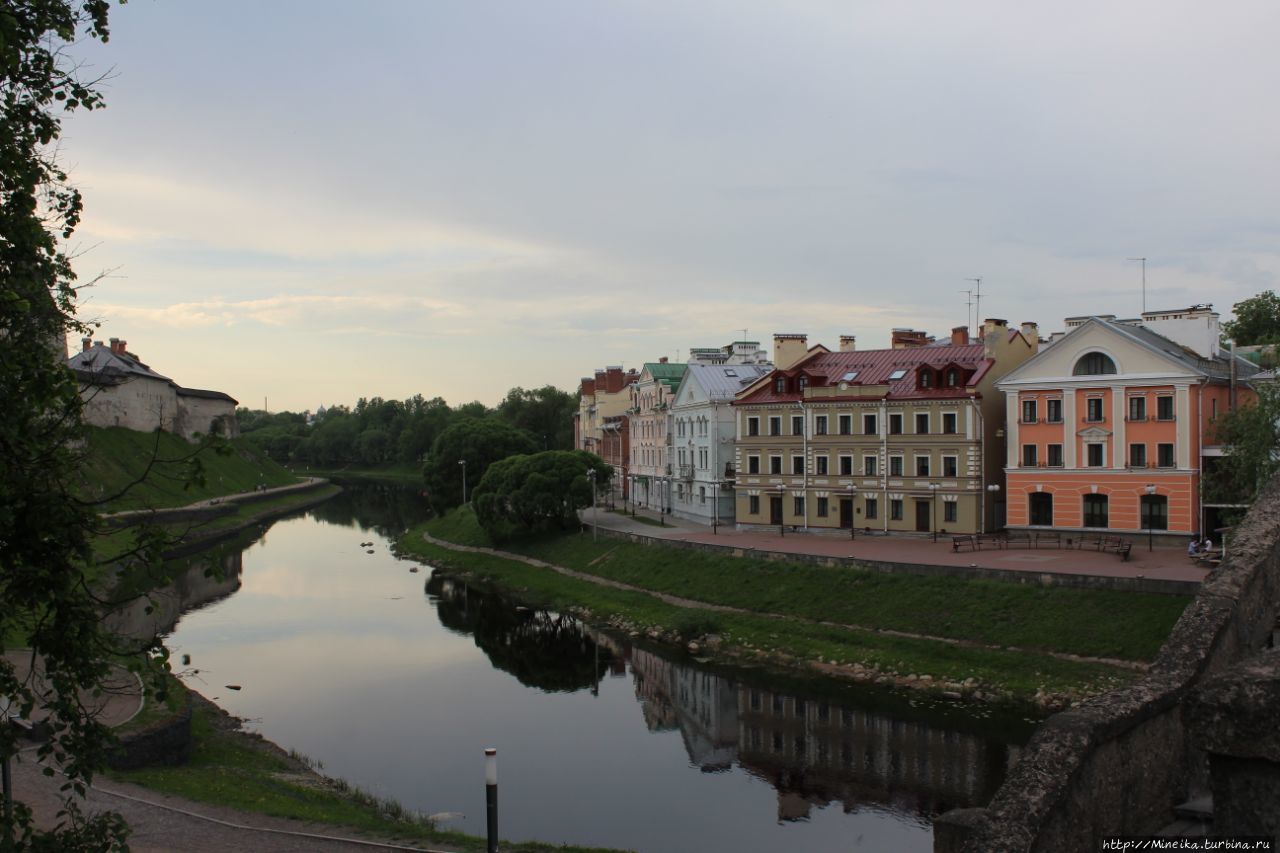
812, 751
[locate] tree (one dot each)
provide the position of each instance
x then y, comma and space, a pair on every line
479, 442
541, 491
1257, 320
546, 413
1250, 435
46, 604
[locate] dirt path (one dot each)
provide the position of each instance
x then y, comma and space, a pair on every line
694, 604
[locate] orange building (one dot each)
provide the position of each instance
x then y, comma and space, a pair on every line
1110, 424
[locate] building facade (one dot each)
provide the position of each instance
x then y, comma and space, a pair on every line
897, 440
601, 425
704, 432
650, 471
1110, 427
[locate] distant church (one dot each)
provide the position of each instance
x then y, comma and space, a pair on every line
119, 390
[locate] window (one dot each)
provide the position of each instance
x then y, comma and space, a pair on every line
820, 425
1029, 415
1155, 512
797, 424
895, 466
775, 425
895, 424
702, 494
1093, 410
802, 383
753, 464
1213, 409
953, 378
1053, 411
1164, 455
775, 464
926, 378
797, 465
1164, 408
950, 466
897, 374
846, 466
922, 466
949, 423
753, 426
1137, 456
1040, 508
798, 507
846, 424
922, 423
895, 510
869, 466
822, 507
820, 464
869, 425
1095, 455
872, 508
850, 376
780, 385
1137, 408
753, 505
1054, 455
1029, 456
1095, 510
1094, 364
949, 513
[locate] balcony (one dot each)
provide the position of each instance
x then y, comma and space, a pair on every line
686, 472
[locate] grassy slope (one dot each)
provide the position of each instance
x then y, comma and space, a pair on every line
115, 457
399, 475
1072, 621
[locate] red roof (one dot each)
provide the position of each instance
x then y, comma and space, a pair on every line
873, 367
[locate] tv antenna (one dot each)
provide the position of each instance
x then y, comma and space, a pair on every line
977, 301
968, 305
1144, 281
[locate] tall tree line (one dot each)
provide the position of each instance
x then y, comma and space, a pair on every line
402, 432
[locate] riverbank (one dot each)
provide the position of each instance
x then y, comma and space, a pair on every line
981, 640
397, 475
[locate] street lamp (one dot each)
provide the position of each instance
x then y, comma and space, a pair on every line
715, 507
782, 511
933, 509
1151, 490
853, 513
463, 463
595, 526
992, 490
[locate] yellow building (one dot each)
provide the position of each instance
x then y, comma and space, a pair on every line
892, 440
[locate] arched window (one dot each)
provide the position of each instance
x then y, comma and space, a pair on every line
1040, 505
1094, 364
1155, 512
1095, 510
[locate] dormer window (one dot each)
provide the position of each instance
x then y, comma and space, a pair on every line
780, 385
802, 382
926, 378
953, 378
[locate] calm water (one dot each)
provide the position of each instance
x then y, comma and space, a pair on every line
397, 681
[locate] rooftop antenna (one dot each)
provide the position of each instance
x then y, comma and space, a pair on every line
968, 305
977, 301
1144, 281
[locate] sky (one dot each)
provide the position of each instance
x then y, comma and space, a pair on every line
305, 202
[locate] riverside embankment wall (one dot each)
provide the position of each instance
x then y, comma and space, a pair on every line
1117, 764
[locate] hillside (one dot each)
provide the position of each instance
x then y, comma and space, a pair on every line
116, 457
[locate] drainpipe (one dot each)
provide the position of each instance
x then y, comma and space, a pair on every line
982, 467
882, 423
804, 445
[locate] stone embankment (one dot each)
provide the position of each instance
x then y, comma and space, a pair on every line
1119, 763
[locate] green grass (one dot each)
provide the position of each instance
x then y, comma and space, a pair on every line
230, 769
115, 458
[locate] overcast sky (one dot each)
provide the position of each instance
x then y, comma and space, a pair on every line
310, 201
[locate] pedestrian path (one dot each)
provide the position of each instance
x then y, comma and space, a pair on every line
1161, 563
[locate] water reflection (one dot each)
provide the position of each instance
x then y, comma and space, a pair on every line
196, 581
384, 509
910, 757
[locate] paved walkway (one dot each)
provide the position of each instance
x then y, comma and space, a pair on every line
1163, 562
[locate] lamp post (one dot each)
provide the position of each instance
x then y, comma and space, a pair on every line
992, 490
715, 507
1150, 490
853, 513
782, 511
933, 509
595, 526
463, 463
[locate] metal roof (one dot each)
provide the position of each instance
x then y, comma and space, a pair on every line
723, 381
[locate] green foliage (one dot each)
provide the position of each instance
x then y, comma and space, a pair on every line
1250, 434
479, 442
1257, 320
541, 491
545, 413
44, 603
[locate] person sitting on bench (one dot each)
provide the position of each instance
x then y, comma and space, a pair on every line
1193, 547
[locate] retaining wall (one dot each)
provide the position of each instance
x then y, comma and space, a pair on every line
1117, 764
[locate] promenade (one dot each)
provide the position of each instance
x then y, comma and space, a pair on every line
1161, 563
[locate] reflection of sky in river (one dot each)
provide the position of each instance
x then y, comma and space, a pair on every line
342, 657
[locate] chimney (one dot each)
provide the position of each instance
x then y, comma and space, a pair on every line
115, 345
662, 360
993, 336
1031, 331
960, 336
788, 349
908, 338
848, 343
613, 380
124, 347
88, 344
588, 387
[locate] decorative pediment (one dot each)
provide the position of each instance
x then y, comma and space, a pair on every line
1094, 434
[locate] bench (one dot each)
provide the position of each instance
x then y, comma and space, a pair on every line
961, 543
1053, 540
1018, 540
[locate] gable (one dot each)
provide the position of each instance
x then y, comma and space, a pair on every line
1057, 362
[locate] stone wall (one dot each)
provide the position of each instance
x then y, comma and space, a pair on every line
1118, 764
167, 741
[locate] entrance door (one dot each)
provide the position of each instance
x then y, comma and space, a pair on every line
775, 510
922, 516
846, 513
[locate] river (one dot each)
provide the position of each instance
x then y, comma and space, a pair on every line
397, 681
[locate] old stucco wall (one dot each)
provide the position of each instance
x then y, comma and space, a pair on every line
1118, 763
